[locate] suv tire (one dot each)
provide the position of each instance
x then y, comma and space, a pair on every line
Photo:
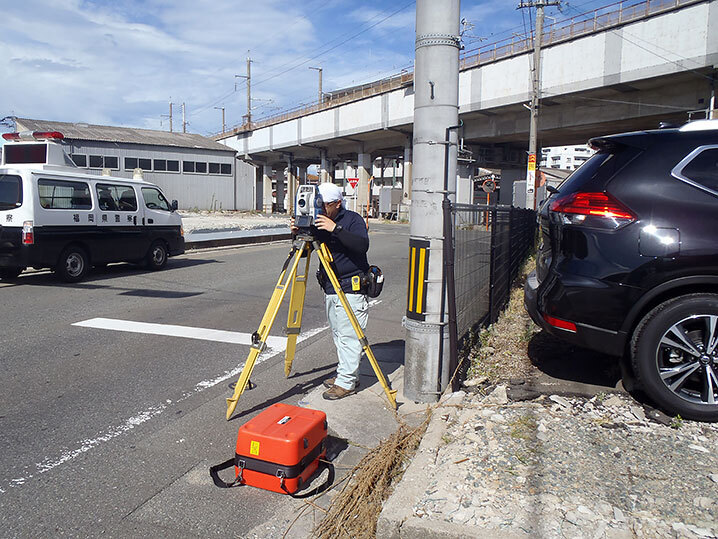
72, 265
675, 356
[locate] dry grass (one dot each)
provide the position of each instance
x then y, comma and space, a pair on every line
355, 511
501, 351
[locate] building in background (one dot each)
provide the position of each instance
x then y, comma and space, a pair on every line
196, 171
565, 157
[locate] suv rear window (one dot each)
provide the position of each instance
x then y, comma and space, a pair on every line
10, 192
599, 169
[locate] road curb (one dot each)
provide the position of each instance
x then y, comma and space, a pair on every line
190, 245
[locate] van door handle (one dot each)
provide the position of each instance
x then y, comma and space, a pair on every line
150, 221
135, 220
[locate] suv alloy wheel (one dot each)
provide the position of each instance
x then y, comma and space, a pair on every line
675, 355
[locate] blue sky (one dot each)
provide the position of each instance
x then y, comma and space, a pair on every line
119, 62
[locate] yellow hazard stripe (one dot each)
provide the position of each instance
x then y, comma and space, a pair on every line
420, 291
412, 267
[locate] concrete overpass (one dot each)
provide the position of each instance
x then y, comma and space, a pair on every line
606, 71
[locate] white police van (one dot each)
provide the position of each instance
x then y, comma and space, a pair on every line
54, 216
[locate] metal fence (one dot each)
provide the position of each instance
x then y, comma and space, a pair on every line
490, 244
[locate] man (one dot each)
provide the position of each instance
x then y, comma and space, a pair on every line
345, 234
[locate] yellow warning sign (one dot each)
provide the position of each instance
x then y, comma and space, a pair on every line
254, 448
532, 161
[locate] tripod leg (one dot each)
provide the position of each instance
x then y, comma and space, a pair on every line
324, 259
294, 320
260, 336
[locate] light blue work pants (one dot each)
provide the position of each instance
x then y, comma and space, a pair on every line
349, 349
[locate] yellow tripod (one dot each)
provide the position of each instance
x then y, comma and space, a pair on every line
301, 248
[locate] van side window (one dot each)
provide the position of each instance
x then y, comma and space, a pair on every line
155, 200
116, 197
64, 195
10, 192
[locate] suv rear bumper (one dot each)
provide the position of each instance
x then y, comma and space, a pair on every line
586, 336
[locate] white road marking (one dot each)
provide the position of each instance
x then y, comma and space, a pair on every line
187, 332
83, 446
138, 419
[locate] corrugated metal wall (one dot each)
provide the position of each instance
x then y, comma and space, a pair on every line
191, 190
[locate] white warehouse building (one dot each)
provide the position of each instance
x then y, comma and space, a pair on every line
197, 172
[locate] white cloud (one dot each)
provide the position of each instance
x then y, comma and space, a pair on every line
119, 62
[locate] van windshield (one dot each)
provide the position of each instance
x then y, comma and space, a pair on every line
10, 191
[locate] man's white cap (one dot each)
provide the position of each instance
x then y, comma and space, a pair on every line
330, 192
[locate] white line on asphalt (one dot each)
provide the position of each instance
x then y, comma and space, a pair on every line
49, 463
187, 332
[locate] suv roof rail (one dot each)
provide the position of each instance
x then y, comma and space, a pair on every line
700, 125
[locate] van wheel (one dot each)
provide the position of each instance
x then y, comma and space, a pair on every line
8, 274
675, 356
72, 265
156, 256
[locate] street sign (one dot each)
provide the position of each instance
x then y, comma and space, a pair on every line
489, 186
353, 182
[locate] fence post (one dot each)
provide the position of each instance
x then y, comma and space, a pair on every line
492, 265
511, 251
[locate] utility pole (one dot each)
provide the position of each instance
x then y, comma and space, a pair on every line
535, 96
184, 122
223, 124
248, 77
249, 91
170, 115
319, 69
436, 118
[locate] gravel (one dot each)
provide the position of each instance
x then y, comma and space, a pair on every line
559, 467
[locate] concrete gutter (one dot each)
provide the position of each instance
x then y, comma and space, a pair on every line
203, 240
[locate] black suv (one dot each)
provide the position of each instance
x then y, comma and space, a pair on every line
628, 261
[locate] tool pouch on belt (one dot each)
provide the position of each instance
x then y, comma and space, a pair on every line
373, 281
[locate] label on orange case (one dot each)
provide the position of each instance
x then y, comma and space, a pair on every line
254, 448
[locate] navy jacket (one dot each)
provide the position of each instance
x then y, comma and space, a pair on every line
348, 244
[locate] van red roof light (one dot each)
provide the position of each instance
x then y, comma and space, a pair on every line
11, 136
593, 209
42, 135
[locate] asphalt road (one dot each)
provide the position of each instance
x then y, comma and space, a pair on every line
109, 431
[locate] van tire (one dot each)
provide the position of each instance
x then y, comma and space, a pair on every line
157, 256
8, 274
72, 265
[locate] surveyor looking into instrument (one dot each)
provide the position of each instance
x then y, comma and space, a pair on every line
344, 233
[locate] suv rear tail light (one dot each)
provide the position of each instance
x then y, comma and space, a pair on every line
560, 324
597, 210
28, 236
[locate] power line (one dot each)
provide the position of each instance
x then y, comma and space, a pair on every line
676, 62
619, 102
363, 29
337, 45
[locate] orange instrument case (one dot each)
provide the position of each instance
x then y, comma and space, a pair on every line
280, 448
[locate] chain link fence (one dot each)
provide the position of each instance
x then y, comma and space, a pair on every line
490, 244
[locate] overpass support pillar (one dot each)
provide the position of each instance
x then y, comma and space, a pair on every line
291, 186
302, 175
280, 191
267, 189
324, 168
406, 169
436, 116
364, 170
